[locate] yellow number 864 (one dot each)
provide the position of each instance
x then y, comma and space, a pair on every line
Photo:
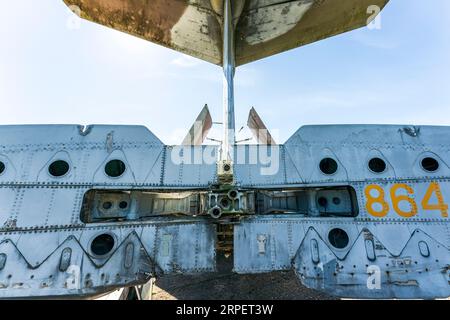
379, 198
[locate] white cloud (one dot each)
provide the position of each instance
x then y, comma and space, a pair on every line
185, 61
247, 76
374, 39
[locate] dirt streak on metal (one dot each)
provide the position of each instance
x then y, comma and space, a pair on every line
153, 21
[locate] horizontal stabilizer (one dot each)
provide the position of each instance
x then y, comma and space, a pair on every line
263, 27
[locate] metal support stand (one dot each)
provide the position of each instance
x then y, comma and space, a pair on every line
225, 165
144, 292
147, 290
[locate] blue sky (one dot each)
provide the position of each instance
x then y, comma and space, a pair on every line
50, 73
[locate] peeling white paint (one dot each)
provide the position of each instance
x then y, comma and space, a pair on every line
193, 32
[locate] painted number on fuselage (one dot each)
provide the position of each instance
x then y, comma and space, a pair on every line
377, 205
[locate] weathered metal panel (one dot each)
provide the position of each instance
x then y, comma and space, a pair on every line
353, 146
19, 137
187, 26
264, 28
41, 206
406, 271
190, 166
264, 244
408, 275
7, 196
33, 265
271, 27
84, 148
259, 165
418, 188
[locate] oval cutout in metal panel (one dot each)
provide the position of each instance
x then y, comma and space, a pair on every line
315, 251
424, 250
3, 258
66, 257
370, 250
129, 255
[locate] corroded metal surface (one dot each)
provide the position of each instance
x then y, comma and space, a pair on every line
265, 244
52, 262
263, 27
270, 27
183, 25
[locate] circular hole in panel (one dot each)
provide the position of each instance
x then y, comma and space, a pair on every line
377, 165
102, 244
115, 168
328, 166
338, 238
323, 202
233, 194
123, 205
58, 168
430, 164
215, 212
107, 205
225, 203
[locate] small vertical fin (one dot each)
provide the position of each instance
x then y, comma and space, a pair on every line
199, 130
259, 129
